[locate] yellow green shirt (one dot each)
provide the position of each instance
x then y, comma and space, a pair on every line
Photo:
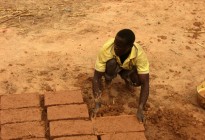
137, 58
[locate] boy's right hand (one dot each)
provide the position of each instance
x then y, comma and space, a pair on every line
96, 109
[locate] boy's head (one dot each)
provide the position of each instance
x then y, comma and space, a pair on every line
124, 41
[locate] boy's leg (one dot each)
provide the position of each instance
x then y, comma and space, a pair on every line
131, 78
134, 77
112, 69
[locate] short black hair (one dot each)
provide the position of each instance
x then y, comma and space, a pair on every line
128, 35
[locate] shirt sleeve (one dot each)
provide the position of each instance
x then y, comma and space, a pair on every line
142, 63
103, 56
100, 64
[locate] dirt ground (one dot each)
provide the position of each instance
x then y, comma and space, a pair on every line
52, 46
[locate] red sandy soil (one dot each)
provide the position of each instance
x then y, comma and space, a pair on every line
52, 46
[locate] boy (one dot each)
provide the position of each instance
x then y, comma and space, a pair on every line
124, 57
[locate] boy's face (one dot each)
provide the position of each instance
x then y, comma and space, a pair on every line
120, 46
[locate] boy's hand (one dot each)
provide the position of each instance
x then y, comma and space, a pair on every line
96, 109
140, 115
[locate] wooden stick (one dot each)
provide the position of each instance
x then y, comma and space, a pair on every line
200, 45
175, 52
27, 15
196, 32
12, 17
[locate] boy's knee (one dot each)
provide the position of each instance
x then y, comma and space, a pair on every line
111, 63
134, 77
111, 66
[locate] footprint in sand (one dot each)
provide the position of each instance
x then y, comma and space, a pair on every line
9, 87
42, 73
2, 70
46, 87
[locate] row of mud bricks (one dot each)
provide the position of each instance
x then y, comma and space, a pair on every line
61, 116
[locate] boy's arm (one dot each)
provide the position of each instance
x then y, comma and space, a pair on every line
97, 89
144, 94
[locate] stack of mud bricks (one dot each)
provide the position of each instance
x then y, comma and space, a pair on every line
21, 117
61, 116
68, 116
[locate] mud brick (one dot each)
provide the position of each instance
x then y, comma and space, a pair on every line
67, 112
71, 127
78, 138
0, 125
20, 115
35, 139
23, 130
124, 136
0, 102
20, 101
63, 97
117, 124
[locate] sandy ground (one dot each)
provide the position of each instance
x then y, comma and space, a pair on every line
52, 46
